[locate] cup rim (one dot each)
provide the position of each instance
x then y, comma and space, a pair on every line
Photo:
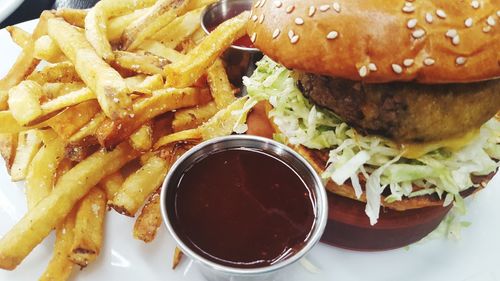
223, 2
321, 205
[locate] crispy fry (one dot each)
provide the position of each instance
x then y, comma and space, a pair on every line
63, 72
46, 49
139, 186
4, 96
190, 118
198, 36
104, 81
40, 178
224, 122
145, 64
54, 90
149, 220
220, 87
9, 125
188, 70
145, 84
60, 267
161, 50
191, 134
195, 4
179, 29
113, 132
73, 98
177, 257
89, 228
96, 33
24, 102
161, 14
29, 143
111, 184
117, 25
88, 129
8, 146
142, 139
72, 119
79, 151
75, 17
16, 244
19, 36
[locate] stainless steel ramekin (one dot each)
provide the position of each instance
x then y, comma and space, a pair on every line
212, 270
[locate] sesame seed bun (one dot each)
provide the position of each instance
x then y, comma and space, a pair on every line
438, 41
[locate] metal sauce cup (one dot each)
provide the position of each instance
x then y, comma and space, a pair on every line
212, 270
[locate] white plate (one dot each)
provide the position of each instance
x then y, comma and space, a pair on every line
7, 7
476, 257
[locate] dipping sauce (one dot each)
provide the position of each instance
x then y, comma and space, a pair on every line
242, 208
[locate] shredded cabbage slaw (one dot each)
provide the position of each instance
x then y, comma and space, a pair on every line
379, 160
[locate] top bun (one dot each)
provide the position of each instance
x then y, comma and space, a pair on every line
427, 41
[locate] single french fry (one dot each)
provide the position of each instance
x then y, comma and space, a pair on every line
191, 134
149, 220
145, 64
96, 33
220, 87
145, 84
161, 50
112, 132
4, 97
224, 122
29, 143
196, 4
60, 267
55, 90
109, 87
63, 72
75, 17
190, 118
177, 257
16, 244
139, 186
89, 228
179, 29
161, 14
9, 125
40, 178
46, 49
24, 102
198, 36
111, 184
117, 25
142, 139
88, 129
8, 146
72, 119
19, 36
70, 99
185, 72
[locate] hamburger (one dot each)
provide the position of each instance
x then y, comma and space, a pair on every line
393, 102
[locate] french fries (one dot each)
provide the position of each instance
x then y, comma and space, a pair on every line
187, 71
109, 87
96, 33
145, 84
146, 64
63, 72
39, 221
193, 117
220, 87
177, 257
161, 50
75, 17
142, 139
117, 25
8, 124
28, 144
149, 220
111, 184
72, 119
191, 134
19, 36
24, 102
8, 145
46, 49
179, 29
89, 228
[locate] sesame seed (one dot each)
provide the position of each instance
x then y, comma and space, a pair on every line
290, 9
429, 18
312, 11
456, 40
254, 37
491, 21
487, 29
336, 7
451, 33
299, 21
412, 23
324, 8
276, 33
408, 62
261, 20
116, 100
469, 22
440, 13
262, 3
460, 60
363, 71
291, 34
254, 17
372, 67
397, 68
419, 33
332, 35
294, 39
278, 4
408, 7
475, 4
429, 61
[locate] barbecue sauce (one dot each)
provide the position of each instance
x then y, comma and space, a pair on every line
242, 208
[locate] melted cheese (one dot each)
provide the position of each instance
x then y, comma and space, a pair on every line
415, 150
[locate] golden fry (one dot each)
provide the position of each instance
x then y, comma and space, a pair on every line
142, 139
75, 17
195, 4
8, 146
47, 49
188, 70
89, 228
177, 257
145, 84
145, 64
109, 87
139, 186
149, 220
63, 72
55, 90
4, 96
9, 125
19, 36
161, 50
117, 25
190, 118
179, 29
96, 33
70, 99
72, 119
220, 87
29, 143
16, 244
191, 134
224, 122
24, 102
111, 184
88, 129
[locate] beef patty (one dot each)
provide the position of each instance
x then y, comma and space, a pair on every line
405, 112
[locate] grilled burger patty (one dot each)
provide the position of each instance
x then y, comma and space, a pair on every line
405, 111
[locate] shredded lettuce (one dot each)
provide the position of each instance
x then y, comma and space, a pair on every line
379, 160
